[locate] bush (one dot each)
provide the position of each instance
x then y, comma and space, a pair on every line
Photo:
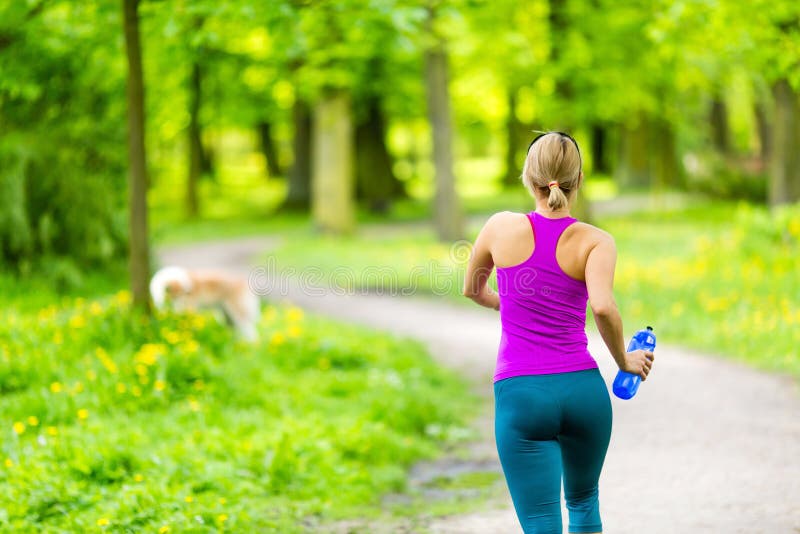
53, 206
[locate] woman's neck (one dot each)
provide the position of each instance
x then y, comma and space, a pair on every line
543, 209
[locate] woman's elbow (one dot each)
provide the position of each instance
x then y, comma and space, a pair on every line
605, 309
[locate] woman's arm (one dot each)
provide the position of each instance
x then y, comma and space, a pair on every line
600, 284
479, 268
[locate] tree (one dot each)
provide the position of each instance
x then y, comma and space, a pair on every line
784, 184
298, 196
332, 163
139, 255
195, 141
447, 211
375, 180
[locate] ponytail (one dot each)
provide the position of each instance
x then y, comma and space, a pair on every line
557, 199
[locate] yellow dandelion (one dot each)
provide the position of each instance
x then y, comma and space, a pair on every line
149, 352
106, 360
188, 498
56, 387
223, 500
136, 391
294, 331
19, 427
191, 346
95, 308
222, 518
121, 388
83, 414
33, 421
294, 314
77, 321
277, 339
122, 298
58, 337
163, 530
194, 405
198, 321
138, 477
140, 369
144, 380
160, 385
52, 431
173, 338
8, 463
103, 522
269, 314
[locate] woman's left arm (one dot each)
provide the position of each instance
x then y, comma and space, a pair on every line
479, 268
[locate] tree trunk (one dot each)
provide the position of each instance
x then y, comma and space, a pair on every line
332, 164
139, 259
599, 149
511, 176
784, 184
559, 28
195, 142
764, 132
718, 118
298, 196
376, 183
268, 148
559, 22
447, 211
666, 169
633, 165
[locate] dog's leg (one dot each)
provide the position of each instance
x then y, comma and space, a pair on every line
241, 312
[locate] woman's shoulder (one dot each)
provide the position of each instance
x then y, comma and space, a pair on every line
505, 217
592, 234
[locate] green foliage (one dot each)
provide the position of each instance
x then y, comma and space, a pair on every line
62, 149
727, 288
111, 420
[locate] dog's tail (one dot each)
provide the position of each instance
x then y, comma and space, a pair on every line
163, 278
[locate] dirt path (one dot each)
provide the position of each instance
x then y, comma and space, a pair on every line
707, 446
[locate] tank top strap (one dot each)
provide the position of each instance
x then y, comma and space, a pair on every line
547, 233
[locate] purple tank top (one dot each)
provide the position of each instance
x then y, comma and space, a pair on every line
542, 310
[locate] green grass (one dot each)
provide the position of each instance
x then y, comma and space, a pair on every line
719, 277
111, 421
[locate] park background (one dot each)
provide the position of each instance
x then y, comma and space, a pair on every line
356, 134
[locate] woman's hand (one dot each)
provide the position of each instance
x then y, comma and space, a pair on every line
638, 362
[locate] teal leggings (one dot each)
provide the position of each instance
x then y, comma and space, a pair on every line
546, 425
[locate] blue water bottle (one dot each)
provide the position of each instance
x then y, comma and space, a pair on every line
626, 384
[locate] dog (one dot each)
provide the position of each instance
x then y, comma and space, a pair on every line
190, 289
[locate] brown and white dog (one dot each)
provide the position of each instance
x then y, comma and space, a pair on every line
190, 289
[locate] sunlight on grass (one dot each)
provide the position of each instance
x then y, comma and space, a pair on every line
118, 420
719, 277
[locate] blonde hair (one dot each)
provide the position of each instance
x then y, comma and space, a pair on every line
553, 168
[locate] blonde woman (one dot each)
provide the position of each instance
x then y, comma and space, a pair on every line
552, 409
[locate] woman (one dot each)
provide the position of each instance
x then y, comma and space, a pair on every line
552, 409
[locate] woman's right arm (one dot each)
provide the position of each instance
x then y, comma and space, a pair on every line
600, 266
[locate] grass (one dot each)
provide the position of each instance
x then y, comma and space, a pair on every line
720, 277
117, 422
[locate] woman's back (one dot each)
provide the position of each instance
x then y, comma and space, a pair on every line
540, 275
